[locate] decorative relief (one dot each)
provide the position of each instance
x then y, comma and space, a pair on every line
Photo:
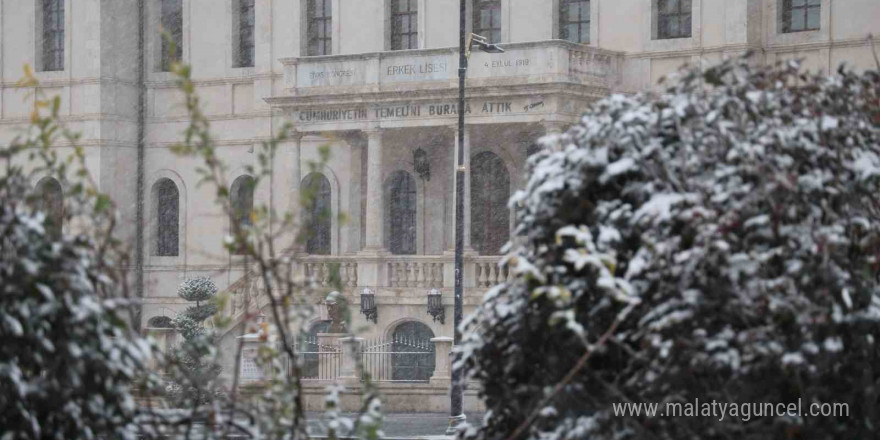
584, 65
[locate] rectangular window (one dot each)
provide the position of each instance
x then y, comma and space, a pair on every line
320, 16
245, 33
673, 19
487, 19
800, 15
53, 35
574, 20
404, 24
172, 32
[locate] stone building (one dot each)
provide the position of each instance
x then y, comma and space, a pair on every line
376, 81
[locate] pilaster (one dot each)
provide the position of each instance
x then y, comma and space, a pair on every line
351, 352
443, 363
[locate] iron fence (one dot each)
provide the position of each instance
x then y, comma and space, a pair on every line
399, 360
320, 361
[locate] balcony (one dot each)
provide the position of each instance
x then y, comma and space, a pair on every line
403, 271
530, 80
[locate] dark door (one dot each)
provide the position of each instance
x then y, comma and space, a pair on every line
413, 357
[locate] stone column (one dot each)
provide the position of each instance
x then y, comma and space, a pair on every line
286, 180
448, 268
371, 267
375, 205
443, 363
351, 352
467, 189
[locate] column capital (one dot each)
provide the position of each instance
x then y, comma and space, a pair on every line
555, 127
295, 135
372, 131
454, 127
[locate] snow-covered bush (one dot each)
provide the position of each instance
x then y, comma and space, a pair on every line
66, 366
197, 289
194, 369
67, 361
717, 241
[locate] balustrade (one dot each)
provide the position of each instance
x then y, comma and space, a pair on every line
414, 272
321, 269
488, 273
403, 272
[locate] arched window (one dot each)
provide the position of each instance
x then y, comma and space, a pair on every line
401, 213
413, 352
490, 191
317, 212
167, 217
242, 203
50, 200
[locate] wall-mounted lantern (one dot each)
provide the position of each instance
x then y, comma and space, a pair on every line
435, 306
368, 305
421, 164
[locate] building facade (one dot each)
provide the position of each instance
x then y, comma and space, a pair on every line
376, 82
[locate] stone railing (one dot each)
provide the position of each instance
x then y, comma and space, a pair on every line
415, 271
487, 272
385, 271
320, 269
403, 271
550, 60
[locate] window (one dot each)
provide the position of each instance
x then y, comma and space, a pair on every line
574, 20
50, 201
490, 190
167, 201
317, 213
242, 203
673, 19
487, 19
52, 46
172, 25
412, 357
800, 15
245, 47
404, 24
401, 213
320, 27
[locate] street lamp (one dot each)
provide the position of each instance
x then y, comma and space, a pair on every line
465, 42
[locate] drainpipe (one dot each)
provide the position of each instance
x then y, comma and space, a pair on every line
139, 209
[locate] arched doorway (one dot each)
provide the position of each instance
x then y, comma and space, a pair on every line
402, 200
317, 213
490, 191
413, 352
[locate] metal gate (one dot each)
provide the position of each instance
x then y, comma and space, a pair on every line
399, 360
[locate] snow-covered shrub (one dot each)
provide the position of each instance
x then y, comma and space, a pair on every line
194, 369
67, 360
197, 289
724, 235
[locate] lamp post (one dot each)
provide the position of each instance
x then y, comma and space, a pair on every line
465, 42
